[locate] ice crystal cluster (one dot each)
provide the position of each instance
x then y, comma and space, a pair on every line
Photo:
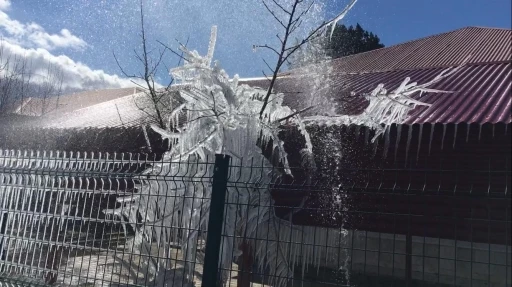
386, 108
223, 116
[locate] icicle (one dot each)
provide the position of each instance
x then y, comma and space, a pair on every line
375, 147
398, 136
211, 46
304, 256
386, 143
442, 139
455, 135
432, 126
409, 137
357, 132
340, 16
479, 132
366, 135
468, 125
319, 249
420, 135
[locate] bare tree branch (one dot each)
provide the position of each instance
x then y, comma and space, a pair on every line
291, 24
281, 56
150, 67
172, 51
267, 47
119, 115
281, 6
122, 70
279, 38
303, 13
268, 66
294, 114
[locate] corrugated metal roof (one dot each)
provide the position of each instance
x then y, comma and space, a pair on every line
482, 88
482, 93
118, 112
127, 111
68, 103
485, 45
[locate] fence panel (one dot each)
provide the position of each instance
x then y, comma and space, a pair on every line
397, 226
83, 219
66, 219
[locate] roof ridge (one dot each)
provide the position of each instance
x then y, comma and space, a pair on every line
398, 44
488, 28
419, 39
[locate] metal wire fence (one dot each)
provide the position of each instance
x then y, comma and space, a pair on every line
83, 219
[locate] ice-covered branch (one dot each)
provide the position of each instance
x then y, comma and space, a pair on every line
387, 108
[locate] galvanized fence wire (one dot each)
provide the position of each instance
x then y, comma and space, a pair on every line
72, 218
64, 221
386, 228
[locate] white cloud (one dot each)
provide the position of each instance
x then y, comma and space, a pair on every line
76, 75
32, 35
32, 42
5, 4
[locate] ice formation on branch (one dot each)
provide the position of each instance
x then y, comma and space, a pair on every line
223, 117
340, 16
386, 108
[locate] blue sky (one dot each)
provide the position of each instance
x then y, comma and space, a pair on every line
94, 29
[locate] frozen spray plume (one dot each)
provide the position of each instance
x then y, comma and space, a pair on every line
223, 116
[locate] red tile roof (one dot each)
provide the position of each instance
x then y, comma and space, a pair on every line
482, 88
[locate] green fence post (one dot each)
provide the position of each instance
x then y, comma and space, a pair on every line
213, 240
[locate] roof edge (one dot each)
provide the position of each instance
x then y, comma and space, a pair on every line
419, 39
